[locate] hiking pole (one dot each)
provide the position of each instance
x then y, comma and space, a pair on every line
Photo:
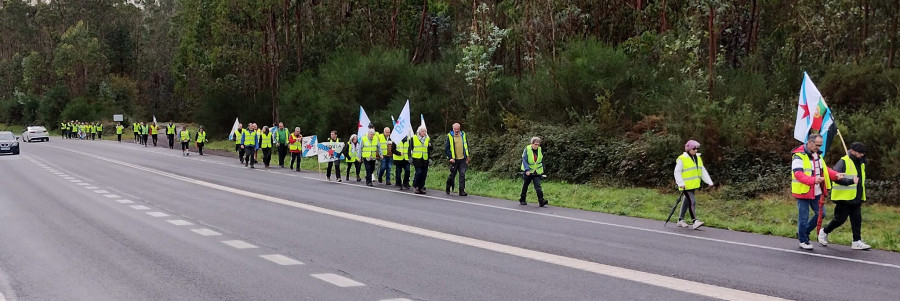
677, 201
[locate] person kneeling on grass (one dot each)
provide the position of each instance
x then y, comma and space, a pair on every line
689, 170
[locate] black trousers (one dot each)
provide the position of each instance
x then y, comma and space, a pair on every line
171, 138
352, 164
155, 139
184, 146
144, 139
842, 210
282, 153
533, 178
460, 167
137, 138
267, 156
240, 151
296, 157
250, 152
200, 147
401, 166
421, 175
93, 136
119, 137
100, 135
337, 169
370, 169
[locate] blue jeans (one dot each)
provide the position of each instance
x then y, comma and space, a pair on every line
385, 167
804, 226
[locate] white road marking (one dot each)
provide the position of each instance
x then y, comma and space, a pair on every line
157, 214
91, 187
338, 280
68, 178
139, 207
75, 181
83, 184
125, 201
179, 222
112, 196
100, 191
239, 244
280, 259
206, 232
396, 299
633, 275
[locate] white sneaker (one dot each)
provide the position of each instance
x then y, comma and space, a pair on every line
696, 224
823, 237
806, 246
860, 245
682, 224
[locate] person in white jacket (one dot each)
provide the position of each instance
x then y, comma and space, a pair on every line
689, 171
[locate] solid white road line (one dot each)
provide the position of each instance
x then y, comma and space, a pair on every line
338, 280
396, 299
280, 259
672, 283
239, 244
179, 222
157, 214
125, 201
206, 232
139, 207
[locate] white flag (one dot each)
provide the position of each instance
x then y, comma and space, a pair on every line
423, 121
809, 94
363, 126
402, 127
154, 119
233, 128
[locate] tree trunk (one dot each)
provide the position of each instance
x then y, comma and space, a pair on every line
892, 49
752, 26
394, 18
273, 63
421, 31
663, 18
297, 13
712, 50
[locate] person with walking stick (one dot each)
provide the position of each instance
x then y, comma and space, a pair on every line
689, 170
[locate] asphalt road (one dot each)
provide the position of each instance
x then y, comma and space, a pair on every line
99, 220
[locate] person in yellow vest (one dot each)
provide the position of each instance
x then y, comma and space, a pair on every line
119, 130
420, 150
100, 131
848, 196
352, 153
295, 145
401, 162
201, 140
337, 163
249, 141
810, 182
62, 130
238, 142
185, 141
457, 150
154, 133
137, 132
281, 143
93, 129
689, 171
170, 135
370, 152
387, 160
532, 171
145, 134
265, 144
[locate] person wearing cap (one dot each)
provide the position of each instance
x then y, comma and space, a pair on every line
848, 196
810, 180
689, 171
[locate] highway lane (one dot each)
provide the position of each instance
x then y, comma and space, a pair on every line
396, 261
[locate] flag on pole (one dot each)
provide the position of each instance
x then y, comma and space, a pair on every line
330, 151
811, 109
829, 130
154, 119
402, 127
363, 126
309, 146
233, 128
423, 120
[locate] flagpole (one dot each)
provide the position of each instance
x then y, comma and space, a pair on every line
842, 141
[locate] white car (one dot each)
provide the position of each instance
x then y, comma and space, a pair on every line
35, 133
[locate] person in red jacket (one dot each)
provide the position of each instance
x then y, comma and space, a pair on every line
811, 179
295, 141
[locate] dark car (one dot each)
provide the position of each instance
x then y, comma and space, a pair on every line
9, 143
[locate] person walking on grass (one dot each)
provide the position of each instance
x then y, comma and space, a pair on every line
265, 144
201, 140
810, 181
848, 196
532, 171
420, 150
689, 171
334, 164
185, 141
457, 150
352, 153
296, 148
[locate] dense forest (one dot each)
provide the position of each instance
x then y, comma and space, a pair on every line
614, 86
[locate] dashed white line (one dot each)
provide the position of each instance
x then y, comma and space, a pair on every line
91, 187
338, 280
157, 214
68, 178
206, 232
239, 244
280, 259
101, 191
179, 222
83, 184
75, 181
139, 207
396, 299
125, 201
112, 196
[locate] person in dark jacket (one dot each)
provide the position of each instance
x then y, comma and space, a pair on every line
848, 195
